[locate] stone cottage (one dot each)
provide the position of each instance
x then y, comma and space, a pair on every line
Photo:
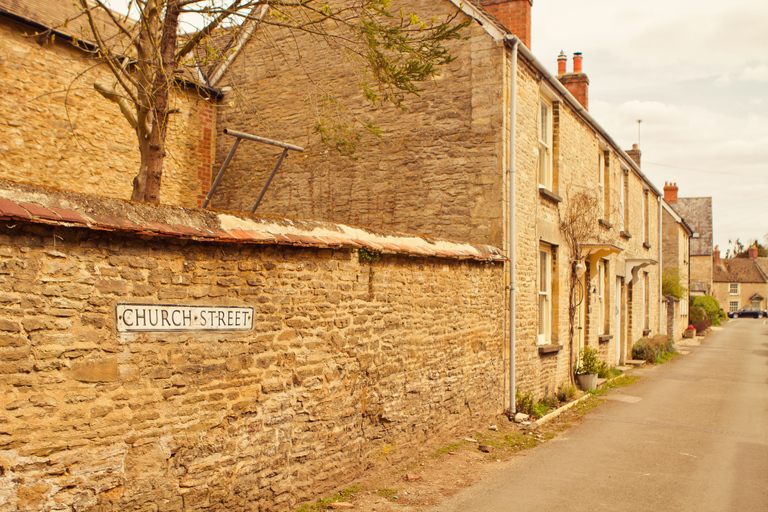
496, 150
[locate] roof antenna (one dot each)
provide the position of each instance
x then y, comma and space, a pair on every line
638, 131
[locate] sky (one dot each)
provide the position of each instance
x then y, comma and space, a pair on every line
696, 73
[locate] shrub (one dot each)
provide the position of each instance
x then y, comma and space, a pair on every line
698, 318
711, 306
653, 350
566, 392
524, 402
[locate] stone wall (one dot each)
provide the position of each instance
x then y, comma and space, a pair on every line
435, 169
349, 365
59, 132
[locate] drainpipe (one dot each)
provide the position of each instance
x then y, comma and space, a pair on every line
511, 222
661, 263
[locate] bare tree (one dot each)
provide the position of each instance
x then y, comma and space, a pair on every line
151, 56
579, 217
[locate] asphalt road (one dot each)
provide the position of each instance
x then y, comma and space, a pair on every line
692, 435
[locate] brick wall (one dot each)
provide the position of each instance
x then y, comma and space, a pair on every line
349, 365
60, 132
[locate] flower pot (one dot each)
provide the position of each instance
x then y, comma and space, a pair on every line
587, 381
689, 333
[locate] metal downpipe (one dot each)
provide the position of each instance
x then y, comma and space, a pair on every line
511, 223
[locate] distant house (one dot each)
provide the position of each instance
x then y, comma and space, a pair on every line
740, 282
697, 212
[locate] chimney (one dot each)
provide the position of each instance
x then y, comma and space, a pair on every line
562, 60
577, 82
715, 252
634, 154
515, 15
670, 192
753, 251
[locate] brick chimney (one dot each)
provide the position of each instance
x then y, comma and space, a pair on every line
753, 251
634, 154
715, 252
670, 192
577, 82
515, 15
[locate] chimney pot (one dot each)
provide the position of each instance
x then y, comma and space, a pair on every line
670, 193
753, 251
562, 60
577, 58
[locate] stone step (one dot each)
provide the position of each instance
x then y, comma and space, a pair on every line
624, 368
635, 362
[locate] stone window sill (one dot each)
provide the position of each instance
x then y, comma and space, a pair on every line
603, 338
625, 234
646, 245
605, 224
548, 194
646, 332
549, 349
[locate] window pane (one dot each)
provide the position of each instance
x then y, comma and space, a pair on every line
543, 271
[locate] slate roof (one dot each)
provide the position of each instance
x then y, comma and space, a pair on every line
697, 212
28, 203
737, 270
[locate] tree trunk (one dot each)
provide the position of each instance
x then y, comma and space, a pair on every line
146, 185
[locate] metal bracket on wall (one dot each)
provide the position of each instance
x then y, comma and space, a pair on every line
238, 137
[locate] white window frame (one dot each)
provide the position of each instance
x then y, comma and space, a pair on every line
545, 137
733, 289
544, 288
646, 217
733, 306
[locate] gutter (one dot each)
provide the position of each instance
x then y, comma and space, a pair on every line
511, 222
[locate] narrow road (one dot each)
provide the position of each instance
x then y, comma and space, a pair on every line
692, 435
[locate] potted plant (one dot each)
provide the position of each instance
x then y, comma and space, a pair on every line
588, 368
689, 332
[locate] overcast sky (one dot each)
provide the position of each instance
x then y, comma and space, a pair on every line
696, 73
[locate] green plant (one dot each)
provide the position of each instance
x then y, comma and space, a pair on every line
710, 306
608, 372
589, 362
672, 283
566, 392
365, 255
656, 350
524, 402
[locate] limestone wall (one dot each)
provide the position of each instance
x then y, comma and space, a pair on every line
59, 132
348, 365
435, 169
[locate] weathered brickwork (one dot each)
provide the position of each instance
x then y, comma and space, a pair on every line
434, 170
60, 132
348, 363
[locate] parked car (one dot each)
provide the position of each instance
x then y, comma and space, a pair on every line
748, 312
